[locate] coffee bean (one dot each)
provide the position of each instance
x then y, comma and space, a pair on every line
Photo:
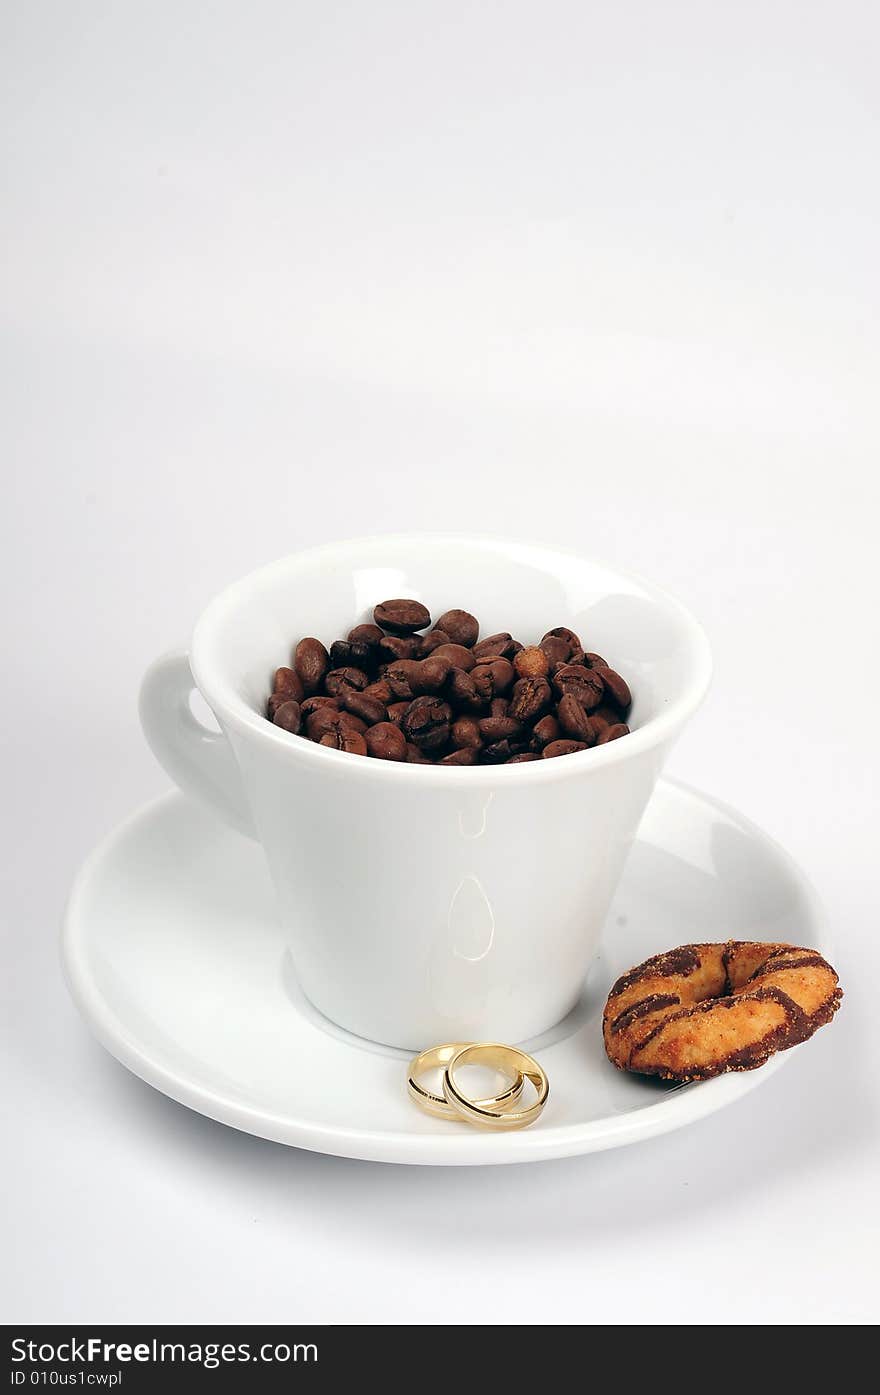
594, 661
457, 655
521, 759
465, 755
402, 617
562, 748
617, 689
585, 684
504, 675
484, 682
605, 714
465, 731
310, 661
312, 704
397, 711
363, 654
380, 690
612, 733
545, 731
351, 741
426, 644
386, 742
366, 634
339, 678
492, 678
275, 701
402, 677
393, 647
497, 753
531, 662
369, 709
319, 722
416, 757
462, 692
288, 681
426, 723
460, 625
574, 720
328, 719
530, 696
498, 707
494, 647
497, 728
340, 654
557, 650
287, 716
430, 675
349, 721
564, 633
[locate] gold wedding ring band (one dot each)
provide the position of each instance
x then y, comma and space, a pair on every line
497, 1111
504, 1058
439, 1057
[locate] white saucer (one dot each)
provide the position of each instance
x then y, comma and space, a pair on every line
174, 957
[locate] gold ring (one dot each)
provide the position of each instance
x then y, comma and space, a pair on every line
504, 1058
438, 1057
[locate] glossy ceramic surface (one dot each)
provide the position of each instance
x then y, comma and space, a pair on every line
174, 955
426, 903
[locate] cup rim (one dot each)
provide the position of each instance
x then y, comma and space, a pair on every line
233, 712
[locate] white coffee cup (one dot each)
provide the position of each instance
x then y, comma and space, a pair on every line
427, 903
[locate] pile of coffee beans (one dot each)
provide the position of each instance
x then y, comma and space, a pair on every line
401, 690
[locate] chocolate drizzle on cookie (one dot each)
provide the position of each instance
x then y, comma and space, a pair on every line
653, 1003
683, 960
805, 961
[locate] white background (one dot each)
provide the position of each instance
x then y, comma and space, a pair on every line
601, 275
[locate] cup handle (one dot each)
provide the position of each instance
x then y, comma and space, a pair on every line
200, 761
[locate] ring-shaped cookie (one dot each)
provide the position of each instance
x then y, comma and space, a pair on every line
705, 1009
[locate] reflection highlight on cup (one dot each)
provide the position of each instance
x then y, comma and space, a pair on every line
473, 816
471, 921
459, 969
